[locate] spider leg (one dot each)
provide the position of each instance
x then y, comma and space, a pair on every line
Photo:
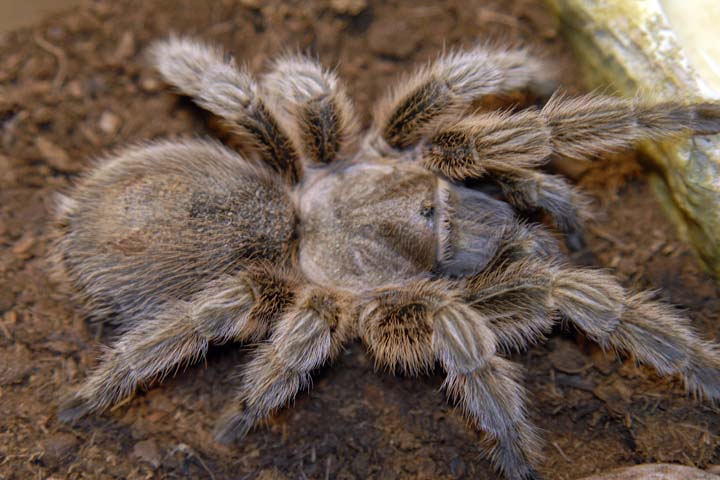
511, 292
633, 322
240, 307
579, 127
318, 105
591, 124
529, 190
450, 85
521, 240
522, 299
507, 146
410, 327
216, 84
310, 333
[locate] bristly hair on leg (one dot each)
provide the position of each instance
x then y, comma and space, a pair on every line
312, 332
216, 83
240, 307
447, 86
634, 323
487, 387
322, 115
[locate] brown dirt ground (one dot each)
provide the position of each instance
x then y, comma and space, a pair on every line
77, 84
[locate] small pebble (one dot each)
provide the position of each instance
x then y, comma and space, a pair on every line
270, 474
125, 48
109, 123
58, 447
7, 299
251, 3
15, 364
567, 357
149, 84
61, 346
75, 89
348, 7
654, 471
147, 450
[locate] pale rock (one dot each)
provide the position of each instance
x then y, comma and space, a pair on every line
631, 47
654, 471
348, 7
109, 123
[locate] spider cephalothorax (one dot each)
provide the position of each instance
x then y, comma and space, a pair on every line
316, 237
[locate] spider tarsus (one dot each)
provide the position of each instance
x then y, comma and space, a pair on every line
233, 427
575, 240
531, 474
73, 409
707, 118
589, 125
635, 323
658, 336
311, 332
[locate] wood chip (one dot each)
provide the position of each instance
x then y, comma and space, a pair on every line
23, 245
55, 156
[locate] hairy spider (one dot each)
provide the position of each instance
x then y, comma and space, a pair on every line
316, 237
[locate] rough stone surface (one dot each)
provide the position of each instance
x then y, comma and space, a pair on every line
658, 471
630, 47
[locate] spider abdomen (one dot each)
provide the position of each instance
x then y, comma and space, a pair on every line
157, 224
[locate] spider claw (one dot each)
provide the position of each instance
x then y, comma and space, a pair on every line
532, 474
72, 409
522, 472
707, 118
232, 427
575, 240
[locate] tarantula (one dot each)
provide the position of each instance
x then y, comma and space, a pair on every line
314, 237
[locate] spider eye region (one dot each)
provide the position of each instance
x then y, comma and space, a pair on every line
427, 210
